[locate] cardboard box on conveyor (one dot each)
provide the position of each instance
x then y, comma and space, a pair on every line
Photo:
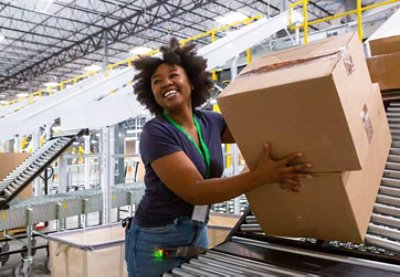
385, 62
317, 99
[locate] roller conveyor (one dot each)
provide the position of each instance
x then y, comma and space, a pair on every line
379, 255
28, 170
63, 205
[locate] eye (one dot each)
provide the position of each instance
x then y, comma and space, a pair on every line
172, 75
156, 81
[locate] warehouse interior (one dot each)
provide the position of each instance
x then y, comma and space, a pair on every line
70, 126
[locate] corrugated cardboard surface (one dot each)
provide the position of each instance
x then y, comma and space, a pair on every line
299, 103
10, 161
330, 206
384, 69
383, 46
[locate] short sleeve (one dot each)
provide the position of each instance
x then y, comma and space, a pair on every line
219, 121
156, 141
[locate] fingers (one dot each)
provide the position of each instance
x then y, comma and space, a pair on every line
267, 150
289, 159
297, 168
296, 176
291, 185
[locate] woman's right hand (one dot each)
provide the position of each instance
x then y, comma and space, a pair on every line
285, 171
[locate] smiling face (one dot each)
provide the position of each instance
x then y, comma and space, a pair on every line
171, 87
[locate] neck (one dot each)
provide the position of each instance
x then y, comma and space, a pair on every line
183, 117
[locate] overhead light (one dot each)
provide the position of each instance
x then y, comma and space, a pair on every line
51, 84
2, 38
4, 102
22, 94
140, 50
93, 67
230, 18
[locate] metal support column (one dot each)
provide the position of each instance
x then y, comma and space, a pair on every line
17, 144
235, 150
62, 168
105, 58
87, 163
359, 20
107, 165
37, 188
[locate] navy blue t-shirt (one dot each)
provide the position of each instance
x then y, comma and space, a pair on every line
160, 206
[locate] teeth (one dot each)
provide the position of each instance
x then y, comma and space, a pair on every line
168, 93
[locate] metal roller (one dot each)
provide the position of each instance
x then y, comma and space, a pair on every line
386, 220
251, 219
391, 174
393, 165
389, 191
251, 228
389, 200
198, 270
222, 269
248, 264
386, 232
386, 210
382, 242
390, 182
183, 273
394, 151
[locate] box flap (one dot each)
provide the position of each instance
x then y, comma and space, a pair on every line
314, 49
279, 75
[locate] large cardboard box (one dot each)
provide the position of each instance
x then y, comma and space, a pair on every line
309, 99
384, 69
388, 45
10, 161
329, 206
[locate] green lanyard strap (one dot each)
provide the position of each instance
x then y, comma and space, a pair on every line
205, 154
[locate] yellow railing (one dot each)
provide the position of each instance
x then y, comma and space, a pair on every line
359, 10
37, 95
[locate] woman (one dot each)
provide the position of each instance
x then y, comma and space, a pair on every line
181, 151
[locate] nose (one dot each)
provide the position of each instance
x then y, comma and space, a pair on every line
166, 82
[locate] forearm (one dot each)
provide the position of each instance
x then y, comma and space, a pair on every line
216, 190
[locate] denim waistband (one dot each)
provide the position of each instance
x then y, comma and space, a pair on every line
182, 219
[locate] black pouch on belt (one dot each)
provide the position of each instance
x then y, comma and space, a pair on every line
126, 223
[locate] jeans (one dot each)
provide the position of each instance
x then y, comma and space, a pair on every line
142, 242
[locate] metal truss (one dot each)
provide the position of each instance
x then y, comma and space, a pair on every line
56, 42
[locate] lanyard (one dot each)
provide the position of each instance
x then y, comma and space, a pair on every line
206, 154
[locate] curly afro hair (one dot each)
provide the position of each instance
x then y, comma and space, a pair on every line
186, 57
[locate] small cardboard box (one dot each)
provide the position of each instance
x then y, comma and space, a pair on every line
384, 69
308, 99
388, 45
329, 206
10, 161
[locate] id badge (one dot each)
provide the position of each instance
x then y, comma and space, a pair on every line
200, 213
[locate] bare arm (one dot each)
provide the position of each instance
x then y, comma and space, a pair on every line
181, 176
